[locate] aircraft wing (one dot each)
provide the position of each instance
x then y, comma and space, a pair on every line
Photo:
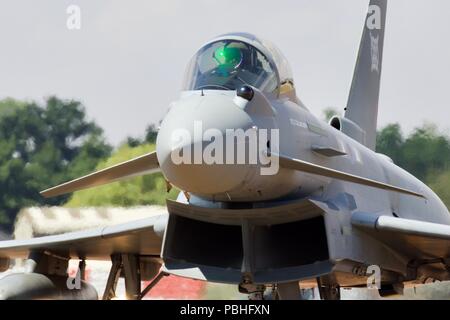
308, 167
416, 238
145, 164
143, 237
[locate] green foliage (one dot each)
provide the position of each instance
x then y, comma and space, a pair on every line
41, 146
426, 151
329, 113
151, 132
133, 142
440, 183
143, 190
390, 142
44, 145
425, 154
8, 106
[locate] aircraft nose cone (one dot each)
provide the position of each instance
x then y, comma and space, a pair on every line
191, 144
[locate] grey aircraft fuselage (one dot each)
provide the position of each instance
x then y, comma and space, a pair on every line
333, 207
345, 145
300, 132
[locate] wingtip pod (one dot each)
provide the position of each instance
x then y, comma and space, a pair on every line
307, 167
141, 165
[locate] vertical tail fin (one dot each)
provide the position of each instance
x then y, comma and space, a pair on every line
362, 105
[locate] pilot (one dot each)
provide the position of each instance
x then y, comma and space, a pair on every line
233, 64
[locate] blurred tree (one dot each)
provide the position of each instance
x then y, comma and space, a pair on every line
41, 146
142, 190
133, 142
9, 106
329, 113
440, 183
426, 151
151, 133
390, 142
423, 153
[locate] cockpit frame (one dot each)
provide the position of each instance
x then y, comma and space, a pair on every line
267, 50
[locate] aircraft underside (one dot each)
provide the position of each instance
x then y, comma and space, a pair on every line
235, 246
270, 195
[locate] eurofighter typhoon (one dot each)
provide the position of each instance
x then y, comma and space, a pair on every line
269, 194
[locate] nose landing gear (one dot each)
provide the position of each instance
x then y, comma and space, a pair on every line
254, 291
328, 288
279, 291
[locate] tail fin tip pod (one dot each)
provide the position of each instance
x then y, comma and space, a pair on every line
362, 105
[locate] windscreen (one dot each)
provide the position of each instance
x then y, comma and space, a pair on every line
228, 65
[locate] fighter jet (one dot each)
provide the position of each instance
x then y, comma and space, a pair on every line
270, 194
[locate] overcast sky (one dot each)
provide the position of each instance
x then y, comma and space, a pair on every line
127, 62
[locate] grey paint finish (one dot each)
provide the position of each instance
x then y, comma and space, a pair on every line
220, 275
141, 237
403, 226
312, 168
28, 286
277, 214
417, 239
146, 164
362, 105
316, 184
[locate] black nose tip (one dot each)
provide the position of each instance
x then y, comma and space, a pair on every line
246, 92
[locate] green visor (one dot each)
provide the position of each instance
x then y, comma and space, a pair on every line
228, 58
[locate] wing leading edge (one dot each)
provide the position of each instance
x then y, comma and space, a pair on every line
143, 237
145, 164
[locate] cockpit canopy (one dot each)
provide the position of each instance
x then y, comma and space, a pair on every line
233, 60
